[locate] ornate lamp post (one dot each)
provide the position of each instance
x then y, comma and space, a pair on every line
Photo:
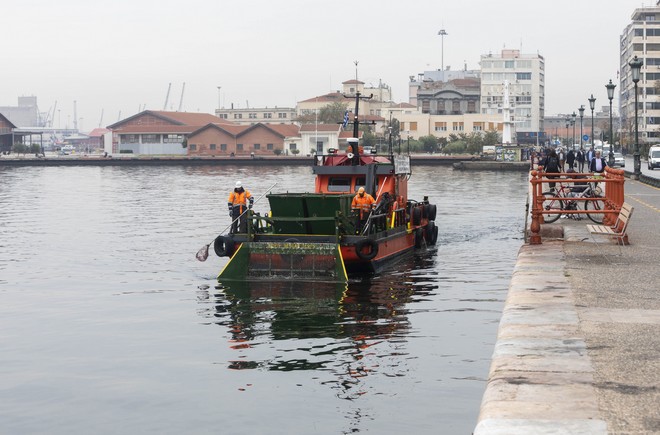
610, 95
592, 105
581, 110
635, 67
573, 122
568, 124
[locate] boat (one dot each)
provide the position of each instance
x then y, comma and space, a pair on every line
318, 236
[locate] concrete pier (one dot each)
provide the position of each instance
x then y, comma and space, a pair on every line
578, 348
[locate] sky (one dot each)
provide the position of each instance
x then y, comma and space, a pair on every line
117, 58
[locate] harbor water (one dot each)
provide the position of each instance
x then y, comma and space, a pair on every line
109, 325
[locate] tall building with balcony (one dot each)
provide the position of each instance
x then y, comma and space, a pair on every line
641, 38
526, 76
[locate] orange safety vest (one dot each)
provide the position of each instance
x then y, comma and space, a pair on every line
239, 199
363, 203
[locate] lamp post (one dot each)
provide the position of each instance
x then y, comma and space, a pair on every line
610, 95
592, 105
442, 34
568, 124
635, 67
573, 122
581, 110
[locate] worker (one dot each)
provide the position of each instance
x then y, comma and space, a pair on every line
362, 202
239, 201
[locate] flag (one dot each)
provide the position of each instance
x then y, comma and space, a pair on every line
345, 119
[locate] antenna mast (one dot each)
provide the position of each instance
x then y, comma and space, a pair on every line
183, 88
167, 96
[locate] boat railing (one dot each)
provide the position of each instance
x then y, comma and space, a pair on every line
265, 224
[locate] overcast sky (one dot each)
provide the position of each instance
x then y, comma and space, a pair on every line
121, 55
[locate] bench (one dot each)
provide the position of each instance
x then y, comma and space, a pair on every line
616, 231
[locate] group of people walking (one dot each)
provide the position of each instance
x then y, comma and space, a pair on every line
555, 161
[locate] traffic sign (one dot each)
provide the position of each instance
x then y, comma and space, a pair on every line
585, 137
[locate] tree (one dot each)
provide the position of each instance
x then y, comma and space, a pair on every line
492, 137
368, 139
455, 147
474, 143
429, 144
332, 113
277, 151
19, 148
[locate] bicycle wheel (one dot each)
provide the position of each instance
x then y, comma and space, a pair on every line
597, 204
550, 203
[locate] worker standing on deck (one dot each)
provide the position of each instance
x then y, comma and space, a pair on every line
239, 200
364, 203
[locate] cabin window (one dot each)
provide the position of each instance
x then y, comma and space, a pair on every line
362, 182
339, 184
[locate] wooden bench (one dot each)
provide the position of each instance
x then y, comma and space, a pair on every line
616, 231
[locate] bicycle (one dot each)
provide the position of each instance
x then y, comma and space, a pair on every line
565, 198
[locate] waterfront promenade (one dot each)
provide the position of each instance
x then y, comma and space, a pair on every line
578, 349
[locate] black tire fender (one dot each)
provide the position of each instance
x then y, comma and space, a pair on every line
419, 238
431, 233
416, 215
223, 246
371, 253
433, 210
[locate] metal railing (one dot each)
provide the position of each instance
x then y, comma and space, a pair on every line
613, 199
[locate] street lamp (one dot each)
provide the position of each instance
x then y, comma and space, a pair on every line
442, 34
592, 105
573, 122
581, 110
610, 95
568, 124
635, 67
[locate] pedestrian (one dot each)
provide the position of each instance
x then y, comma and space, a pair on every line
589, 156
239, 201
580, 159
362, 203
570, 159
552, 167
597, 164
562, 159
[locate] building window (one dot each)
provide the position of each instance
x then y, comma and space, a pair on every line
639, 32
524, 76
257, 146
281, 115
268, 115
193, 147
478, 126
292, 146
457, 126
223, 116
413, 126
173, 138
130, 138
269, 147
252, 115
239, 147
426, 106
150, 138
212, 147
223, 147
238, 116
509, 64
440, 126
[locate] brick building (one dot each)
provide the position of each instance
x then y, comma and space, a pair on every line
216, 139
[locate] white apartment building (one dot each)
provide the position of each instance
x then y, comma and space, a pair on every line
641, 38
526, 76
254, 115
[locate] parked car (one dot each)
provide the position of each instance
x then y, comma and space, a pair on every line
619, 160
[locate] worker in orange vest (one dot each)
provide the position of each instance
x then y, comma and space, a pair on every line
364, 203
239, 200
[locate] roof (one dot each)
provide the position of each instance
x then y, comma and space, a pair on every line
404, 106
320, 127
175, 118
328, 98
98, 132
352, 82
282, 130
3, 117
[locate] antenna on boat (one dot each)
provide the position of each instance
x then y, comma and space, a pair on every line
356, 120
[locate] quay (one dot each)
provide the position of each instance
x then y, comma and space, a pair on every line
578, 346
459, 162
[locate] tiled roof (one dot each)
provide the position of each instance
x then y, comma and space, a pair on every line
175, 118
320, 127
328, 98
98, 132
138, 129
352, 82
286, 130
404, 106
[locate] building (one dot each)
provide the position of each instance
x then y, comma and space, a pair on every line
259, 139
525, 74
641, 38
264, 115
454, 97
26, 114
6, 134
432, 79
157, 132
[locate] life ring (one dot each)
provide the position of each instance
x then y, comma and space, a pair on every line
416, 216
431, 233
223, 246
371, 253
419, 238
433, 210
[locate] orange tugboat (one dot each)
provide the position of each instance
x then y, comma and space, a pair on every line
320, 235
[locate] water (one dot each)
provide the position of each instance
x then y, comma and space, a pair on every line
108, 324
